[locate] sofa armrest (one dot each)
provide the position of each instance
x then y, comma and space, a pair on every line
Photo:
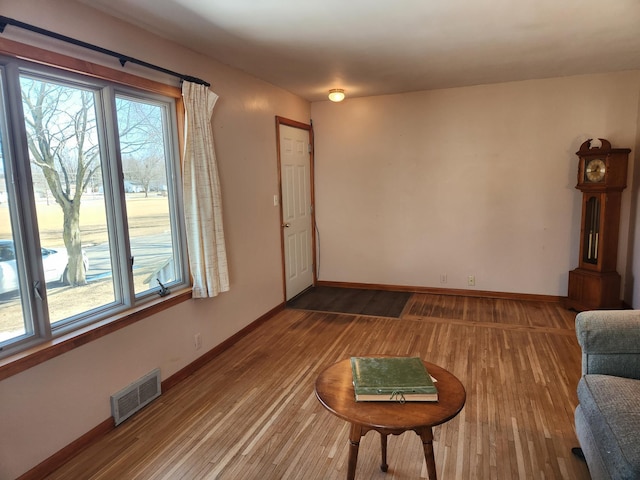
610, 342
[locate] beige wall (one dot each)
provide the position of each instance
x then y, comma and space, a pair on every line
47, 407
464, 181
467, 181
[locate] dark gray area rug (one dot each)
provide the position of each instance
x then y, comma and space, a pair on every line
378, 303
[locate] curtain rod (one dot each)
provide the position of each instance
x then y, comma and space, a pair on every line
123, 59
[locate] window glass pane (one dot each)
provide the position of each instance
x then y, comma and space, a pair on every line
13, 323
93, 180
65, 157
142, 127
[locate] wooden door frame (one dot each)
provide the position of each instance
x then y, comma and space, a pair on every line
309, 128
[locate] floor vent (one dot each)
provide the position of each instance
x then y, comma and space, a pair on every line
137, 395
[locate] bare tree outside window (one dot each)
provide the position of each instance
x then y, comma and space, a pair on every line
145, 174
142, 145
63, 143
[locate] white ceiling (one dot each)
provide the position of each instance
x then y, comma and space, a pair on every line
374, 47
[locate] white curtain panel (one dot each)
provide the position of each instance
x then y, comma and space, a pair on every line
202, 196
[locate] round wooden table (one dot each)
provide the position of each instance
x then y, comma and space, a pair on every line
334, 390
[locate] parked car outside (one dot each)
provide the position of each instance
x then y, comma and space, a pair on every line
54, 261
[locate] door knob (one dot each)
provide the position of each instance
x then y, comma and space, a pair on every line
286, 225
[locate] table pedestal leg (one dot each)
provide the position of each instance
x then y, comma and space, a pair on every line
354, 445
426, 435
383, 447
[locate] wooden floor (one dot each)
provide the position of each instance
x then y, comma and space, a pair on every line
252, 414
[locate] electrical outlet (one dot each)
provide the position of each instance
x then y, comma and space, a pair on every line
471, 280
197, 341
443, 278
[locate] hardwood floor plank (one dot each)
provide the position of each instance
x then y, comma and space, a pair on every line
251, 412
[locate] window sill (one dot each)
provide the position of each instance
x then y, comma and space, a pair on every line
31, 357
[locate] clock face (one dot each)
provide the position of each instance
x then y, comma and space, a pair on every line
594, 170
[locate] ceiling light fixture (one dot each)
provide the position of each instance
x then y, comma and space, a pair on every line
336, 94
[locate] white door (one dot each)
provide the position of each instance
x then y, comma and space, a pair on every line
297, 230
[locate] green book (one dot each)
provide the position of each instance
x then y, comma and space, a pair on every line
389, 379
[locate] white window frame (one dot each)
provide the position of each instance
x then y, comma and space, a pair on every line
20, 189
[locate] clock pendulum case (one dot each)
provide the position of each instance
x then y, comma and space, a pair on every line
602, 176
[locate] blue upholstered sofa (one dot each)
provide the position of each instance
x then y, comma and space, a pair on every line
608, 415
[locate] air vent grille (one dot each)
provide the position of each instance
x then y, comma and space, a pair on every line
149, 390
140, 393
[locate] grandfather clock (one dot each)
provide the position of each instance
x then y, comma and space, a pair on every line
602, 176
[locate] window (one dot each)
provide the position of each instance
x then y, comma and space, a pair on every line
90, 201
